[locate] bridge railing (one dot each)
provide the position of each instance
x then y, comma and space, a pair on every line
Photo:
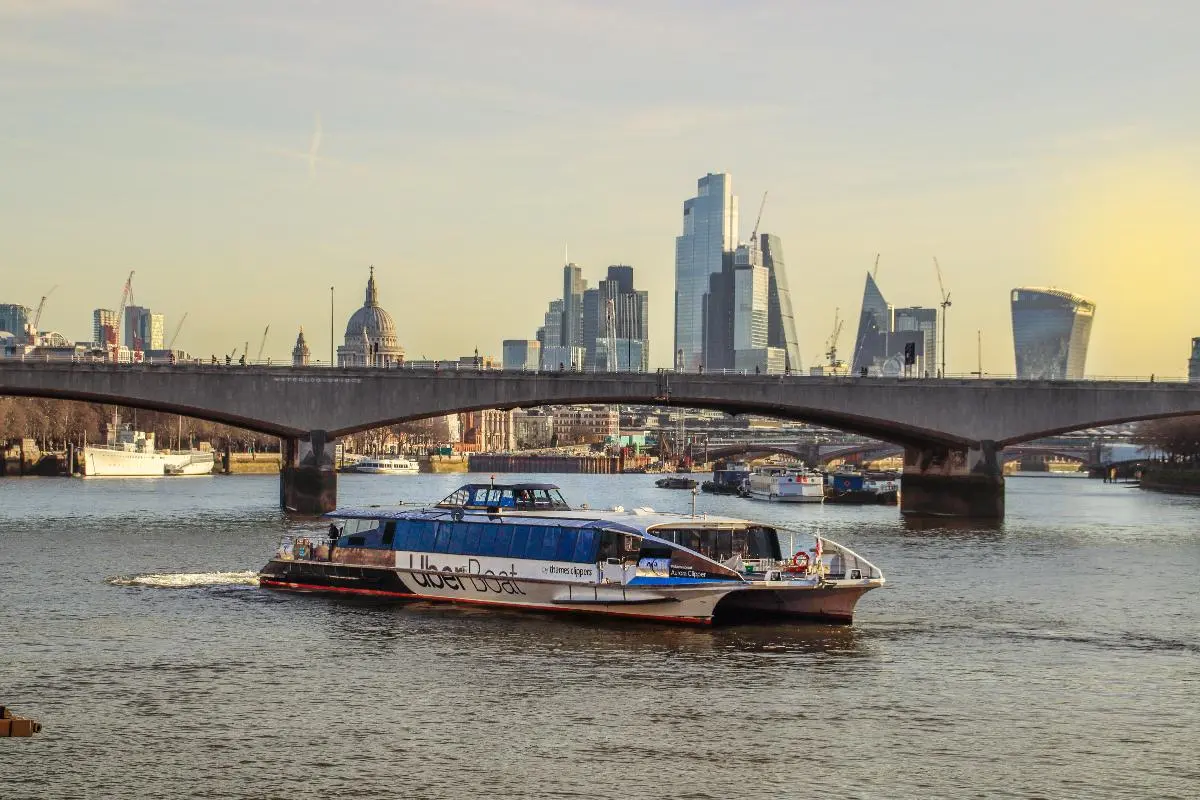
460, 366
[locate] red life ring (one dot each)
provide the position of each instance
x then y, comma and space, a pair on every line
800, 562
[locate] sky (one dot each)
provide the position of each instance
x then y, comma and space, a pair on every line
241, 158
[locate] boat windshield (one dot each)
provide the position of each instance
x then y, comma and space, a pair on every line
525, 497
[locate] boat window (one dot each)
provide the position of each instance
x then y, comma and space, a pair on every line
441, 542
389, 533
504, 535
564, 549
741, 544
458, 537
609, 545
547, 538
557, 501
722, 546
763, 543
520, 541
471, 544
487, 540
457, 498
426, 530
585, 546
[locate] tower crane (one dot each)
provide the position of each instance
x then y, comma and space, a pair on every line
832, 343
37, 316
945, 305
114, 338
757, 220
262, 344
178, 328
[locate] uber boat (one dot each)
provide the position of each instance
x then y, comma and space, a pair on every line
521, 546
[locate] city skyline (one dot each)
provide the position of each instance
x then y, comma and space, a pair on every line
1049, 151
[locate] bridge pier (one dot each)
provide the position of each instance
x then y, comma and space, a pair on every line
307, 479
950, 482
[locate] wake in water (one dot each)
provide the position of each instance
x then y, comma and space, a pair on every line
187, 580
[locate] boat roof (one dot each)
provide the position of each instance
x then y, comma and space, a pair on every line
635, 520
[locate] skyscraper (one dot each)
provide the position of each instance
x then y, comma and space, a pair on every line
574, 286
874, 325
104, 323
781, 323
710, 224
1051, 328
15, 319
1194, 362
629, 309
919, 326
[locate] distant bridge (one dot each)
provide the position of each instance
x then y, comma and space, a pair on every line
952, 429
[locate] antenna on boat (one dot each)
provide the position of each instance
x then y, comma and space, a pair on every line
695, 491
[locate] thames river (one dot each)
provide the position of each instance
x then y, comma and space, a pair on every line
1054, 655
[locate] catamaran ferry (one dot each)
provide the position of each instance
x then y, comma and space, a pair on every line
521, 546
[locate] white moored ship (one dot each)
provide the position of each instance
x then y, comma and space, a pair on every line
786, 485
129, 453
521, 546
394, 465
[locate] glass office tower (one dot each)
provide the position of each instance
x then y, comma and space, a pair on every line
1050, 333
710, 224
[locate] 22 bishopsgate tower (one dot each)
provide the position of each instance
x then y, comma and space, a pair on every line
732, 305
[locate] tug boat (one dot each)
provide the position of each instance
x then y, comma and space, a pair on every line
521, 546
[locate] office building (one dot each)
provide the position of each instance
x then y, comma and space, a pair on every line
143, 328
521, 354
574, 286
615, 311
15, 319
918, 326
781, 322
105, 326
1051, 328
874, 326
710, 225
562, 358
1194, 362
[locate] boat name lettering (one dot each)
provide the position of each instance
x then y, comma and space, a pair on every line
577, 572
471, 576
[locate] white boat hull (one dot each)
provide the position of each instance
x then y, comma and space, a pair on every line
789, 498
388, 470
100, 462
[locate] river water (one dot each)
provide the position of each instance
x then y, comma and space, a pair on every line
1055, 655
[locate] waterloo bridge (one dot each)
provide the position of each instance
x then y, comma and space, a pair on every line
952, 430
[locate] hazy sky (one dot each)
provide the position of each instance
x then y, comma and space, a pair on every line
463, 143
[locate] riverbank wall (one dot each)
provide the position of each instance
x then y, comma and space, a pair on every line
1171, 480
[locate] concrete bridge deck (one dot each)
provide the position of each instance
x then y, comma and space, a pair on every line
950, 428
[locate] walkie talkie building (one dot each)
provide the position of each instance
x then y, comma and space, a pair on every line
1050, 333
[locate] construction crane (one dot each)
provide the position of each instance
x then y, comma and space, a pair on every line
178, 328
831, 345
875, 271
37, 317
32, 331
945, 305
757, 220
258, 358
114, 338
